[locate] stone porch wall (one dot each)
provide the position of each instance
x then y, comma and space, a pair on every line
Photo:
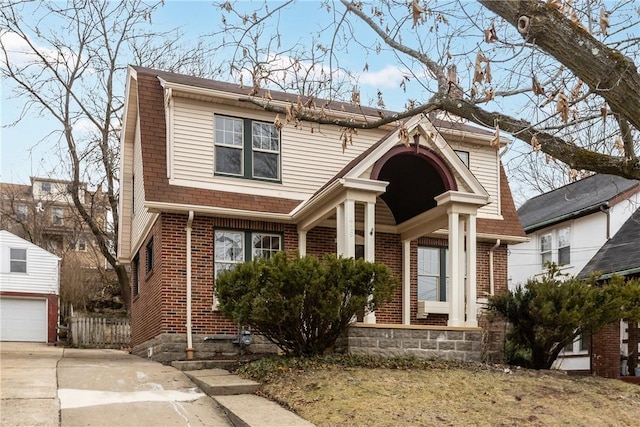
167, 348
423, 342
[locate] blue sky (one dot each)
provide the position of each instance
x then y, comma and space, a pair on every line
28, 149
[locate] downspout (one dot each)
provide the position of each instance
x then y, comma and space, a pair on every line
491, 279
189, 332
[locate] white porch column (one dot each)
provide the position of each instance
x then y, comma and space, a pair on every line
340, 230
349, 248
406, 282
455, 269
302, 243
369, 232
369, 245
472, 293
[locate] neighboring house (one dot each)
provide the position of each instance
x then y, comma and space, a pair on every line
620, 256
29, 287
568, 226
44, 213
210, 179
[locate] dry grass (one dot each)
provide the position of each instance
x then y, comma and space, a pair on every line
339, 394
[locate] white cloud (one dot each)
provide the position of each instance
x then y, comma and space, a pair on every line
388, 77
21, 54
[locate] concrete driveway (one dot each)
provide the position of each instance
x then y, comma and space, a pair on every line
50, 386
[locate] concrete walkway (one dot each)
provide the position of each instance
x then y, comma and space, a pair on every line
50, 386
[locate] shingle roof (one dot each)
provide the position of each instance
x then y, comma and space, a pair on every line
620, 254
574, 200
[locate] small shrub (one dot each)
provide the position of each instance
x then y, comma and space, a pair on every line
303, 304
549, 313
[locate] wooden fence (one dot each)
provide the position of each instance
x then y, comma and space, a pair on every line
100, 332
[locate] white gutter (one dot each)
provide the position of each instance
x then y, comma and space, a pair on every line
491, 274
189, 332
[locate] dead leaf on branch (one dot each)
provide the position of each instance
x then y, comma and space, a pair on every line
489, 94
573, 175
380, 102
619, 145
416, 12
490, 34
535, 144
479, 70
347, 137
278, 123
487, 73
536, 87
604, 21
550, 99
604, 111
575, 92
355, 96
562, 107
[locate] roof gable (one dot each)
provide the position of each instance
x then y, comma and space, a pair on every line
8, 239
620, 254
574, 200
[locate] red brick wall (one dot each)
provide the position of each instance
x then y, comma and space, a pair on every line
160, 306
605, 356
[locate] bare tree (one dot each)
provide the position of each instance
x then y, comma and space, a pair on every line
559, 76
68, 61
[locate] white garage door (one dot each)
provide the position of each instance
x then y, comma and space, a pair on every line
23, 319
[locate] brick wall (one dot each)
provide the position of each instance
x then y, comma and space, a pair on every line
605, 356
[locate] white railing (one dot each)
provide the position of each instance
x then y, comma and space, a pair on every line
100, 332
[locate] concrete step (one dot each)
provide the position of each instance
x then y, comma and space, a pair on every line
249, 410
219, 382
194, 365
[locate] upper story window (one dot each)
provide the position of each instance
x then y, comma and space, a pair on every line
246, 148
545, 248
432, 274
555, 246
564, 246
56, 216
135, 271
18, 260
46, 187
81, 244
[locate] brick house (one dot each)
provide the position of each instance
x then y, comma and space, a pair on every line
208, 180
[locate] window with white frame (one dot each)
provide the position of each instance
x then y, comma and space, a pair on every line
17, 260
564, 246
46, 187
246, 148
231, 249
464, 156
432, 274
56, 216
545, 249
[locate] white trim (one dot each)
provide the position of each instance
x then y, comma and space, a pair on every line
242, 186
158, 207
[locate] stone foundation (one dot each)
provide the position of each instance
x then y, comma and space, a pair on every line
167, 348
423, 342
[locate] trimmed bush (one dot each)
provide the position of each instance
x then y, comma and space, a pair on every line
303, 304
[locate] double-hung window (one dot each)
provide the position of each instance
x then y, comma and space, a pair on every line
246, 148
233, 247
545, 249
56, 216
564, 246
432, 274
18, 260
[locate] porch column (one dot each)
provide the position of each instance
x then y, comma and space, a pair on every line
340, 231
349, 247
369, 232
406, 282
369, 245
302, 243
455, 269
472, 295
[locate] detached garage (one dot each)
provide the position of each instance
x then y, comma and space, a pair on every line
29, 291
